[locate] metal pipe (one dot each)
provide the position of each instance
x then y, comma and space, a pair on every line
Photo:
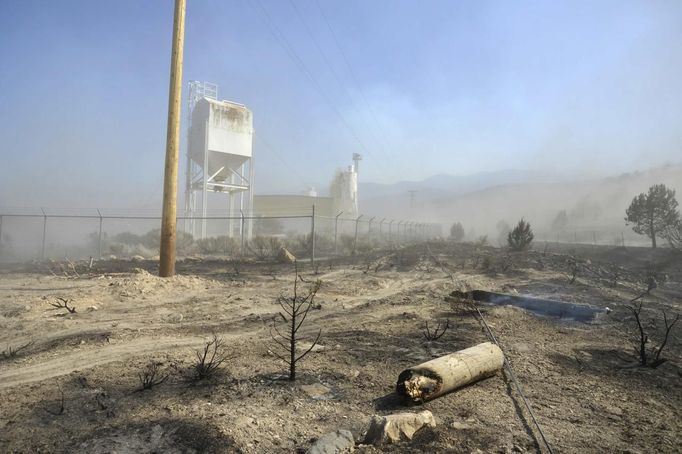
42, 247
336, 231
242, 231
312, 239
99, 240
355, 240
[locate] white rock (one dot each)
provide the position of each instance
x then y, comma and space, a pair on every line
394, 428
337, 442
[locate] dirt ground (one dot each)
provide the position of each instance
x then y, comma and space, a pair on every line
581, 379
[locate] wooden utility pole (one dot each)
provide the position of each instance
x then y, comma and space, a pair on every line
170, 177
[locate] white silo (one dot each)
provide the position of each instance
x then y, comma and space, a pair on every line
344, 190
220, 157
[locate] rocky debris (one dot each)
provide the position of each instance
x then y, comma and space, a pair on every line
462, 425
397, 427
317, 391
340, 441
304, 346
284, 256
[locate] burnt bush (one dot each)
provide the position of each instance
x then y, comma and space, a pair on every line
218, 245
209, 359
264, 247
650, 356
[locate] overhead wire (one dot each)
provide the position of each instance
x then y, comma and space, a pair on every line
327, 62
354, 77
291, 52
272, 150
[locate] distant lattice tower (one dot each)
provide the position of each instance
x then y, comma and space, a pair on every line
219, 158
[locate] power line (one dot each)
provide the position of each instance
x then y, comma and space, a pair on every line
350, 71
272, 150
279, 37
327, 61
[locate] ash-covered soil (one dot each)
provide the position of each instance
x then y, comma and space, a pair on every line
74, 387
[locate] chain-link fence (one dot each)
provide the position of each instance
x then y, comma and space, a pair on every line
56, 234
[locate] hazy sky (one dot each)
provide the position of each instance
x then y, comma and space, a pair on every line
425, 87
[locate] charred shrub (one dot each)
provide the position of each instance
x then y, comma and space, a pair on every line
151, 376
264, 247
209, 359
650, 356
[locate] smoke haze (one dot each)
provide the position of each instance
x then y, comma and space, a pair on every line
540, 95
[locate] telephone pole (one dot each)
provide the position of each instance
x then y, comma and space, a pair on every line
170, 177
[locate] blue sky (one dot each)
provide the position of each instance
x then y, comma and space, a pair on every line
425, 88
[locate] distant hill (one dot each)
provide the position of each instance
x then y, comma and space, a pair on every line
480, 201
450, 184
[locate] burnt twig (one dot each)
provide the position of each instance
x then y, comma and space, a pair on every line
62, 303
209, 359
150, 376
438, 332
12, 352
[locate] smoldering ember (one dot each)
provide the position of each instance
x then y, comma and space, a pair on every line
333, 227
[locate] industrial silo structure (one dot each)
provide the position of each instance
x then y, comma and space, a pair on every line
219, 160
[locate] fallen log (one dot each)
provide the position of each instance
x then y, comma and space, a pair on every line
447, 373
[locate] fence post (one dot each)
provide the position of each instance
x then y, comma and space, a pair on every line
99, 237
381, 234
369, 229
42, 247
336, 231
312, 240
355, 240
241, 231
398, 229
390, 230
